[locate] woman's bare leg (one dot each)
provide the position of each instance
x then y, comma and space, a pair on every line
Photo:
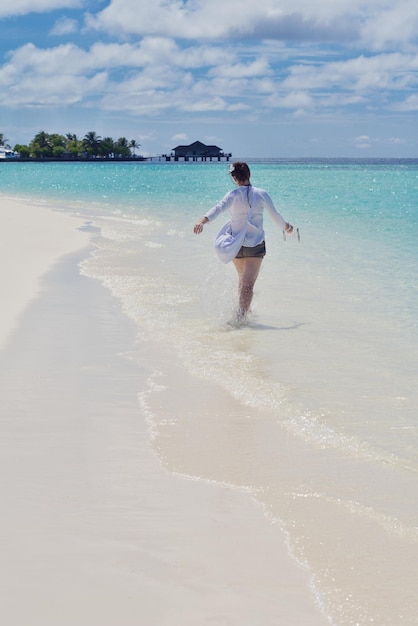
248, 269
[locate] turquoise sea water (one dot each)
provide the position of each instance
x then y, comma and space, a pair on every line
322, 418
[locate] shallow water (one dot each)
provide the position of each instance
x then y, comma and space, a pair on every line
312, 406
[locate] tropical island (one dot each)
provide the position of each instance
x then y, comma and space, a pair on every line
53, 146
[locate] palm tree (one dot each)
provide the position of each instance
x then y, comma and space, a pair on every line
3, 140
41, 145
91, 143
133, 145
42, 139
73, 144
71, 137
107, 147
122, 147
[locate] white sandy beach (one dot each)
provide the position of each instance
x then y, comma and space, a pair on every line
33, 237
95, 532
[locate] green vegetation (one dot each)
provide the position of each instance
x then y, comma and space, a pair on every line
3, 141
53, 146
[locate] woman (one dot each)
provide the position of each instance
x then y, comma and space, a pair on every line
246, 205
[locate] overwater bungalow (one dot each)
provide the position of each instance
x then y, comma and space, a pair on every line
197, 151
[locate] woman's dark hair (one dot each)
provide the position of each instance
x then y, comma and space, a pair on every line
240, 171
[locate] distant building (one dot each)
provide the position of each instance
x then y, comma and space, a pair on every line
198, 151
7, 153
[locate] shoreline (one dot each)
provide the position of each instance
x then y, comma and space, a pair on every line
45, 235
97, 531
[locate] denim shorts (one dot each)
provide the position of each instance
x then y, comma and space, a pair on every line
254, 251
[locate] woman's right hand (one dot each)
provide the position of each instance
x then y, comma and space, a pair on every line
198, 227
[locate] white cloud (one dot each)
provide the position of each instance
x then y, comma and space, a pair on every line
56, 61
409, 104
150, 76
9, 8
385, 71
57, 76
397, 141
259, 67
55, 90
157, 73
373, 24
363, 142
155, 53
299, 100
64, 26
172, 18
391, 25
211, 103
180, 137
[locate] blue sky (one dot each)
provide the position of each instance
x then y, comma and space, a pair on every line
264, 78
